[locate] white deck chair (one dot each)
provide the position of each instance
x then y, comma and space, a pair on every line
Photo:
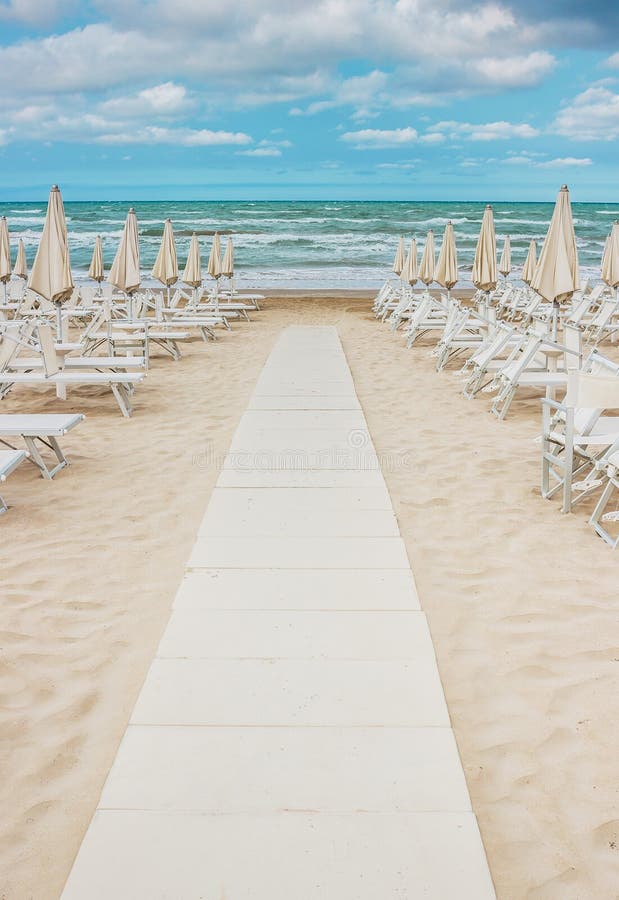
36, 430
122, 384
481, 366
602, 325
528, 366
468, 331
432, 314
9, 460
575, 433
600, 517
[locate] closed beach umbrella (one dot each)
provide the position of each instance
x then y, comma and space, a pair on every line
214, 260
484, 264
96, 263
125, 271
610, 259
21, 264
409, 272
227, 266
192, 274
530, 263
5, 254
505, 266
447, 265
398, 262
556, 276
165, 269
51, 272
426, 266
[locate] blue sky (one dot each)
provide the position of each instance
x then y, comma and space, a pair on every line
348, 99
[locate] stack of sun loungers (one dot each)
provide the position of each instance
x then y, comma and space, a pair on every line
508, 344
103, 338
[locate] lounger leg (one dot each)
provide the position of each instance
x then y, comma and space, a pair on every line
122, 399
3, 507
61, 391
598, 512
36, 457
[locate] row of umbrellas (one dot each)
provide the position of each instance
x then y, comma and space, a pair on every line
125, 271
20, 270
555, 275
51, 276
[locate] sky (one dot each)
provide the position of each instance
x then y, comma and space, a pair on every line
330, 99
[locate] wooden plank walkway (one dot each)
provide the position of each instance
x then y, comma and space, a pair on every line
291, 740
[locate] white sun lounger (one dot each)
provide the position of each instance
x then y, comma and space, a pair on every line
37, 429
122, 384
575, 434
9, 460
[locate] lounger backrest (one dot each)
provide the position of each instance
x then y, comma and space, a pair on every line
518, 361
572, 338
603, 315
592, 390
45, 335
489, 350
16, 290
94, 324
9, 344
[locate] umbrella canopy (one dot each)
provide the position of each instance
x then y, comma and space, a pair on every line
51, 272
505, 266
214, 260
125, 271
426, 266
528, 270
21, 264
447, 265
5, 251
409, 272
96, 264
398, 261
484, 264
556, 276
165, 269
193, 267
610, 259
227, 266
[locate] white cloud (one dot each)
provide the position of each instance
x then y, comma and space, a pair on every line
377, 138
613, 61
532, 159
185, 137
35, 12
260, 151
166, 99
565, 161
490, 131
514, 71
592, 115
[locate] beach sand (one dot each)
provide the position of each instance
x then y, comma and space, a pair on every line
521, 601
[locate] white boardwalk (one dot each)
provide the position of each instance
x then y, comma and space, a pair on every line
291, 740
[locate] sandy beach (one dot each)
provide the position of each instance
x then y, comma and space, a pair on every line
520, 600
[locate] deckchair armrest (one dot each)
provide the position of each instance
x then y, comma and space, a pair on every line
549, 404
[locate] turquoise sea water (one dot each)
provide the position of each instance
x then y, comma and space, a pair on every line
309, 244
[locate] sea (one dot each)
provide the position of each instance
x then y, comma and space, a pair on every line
310, 245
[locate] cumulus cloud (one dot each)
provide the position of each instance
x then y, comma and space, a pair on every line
490, 131
184, 137
261, 151
379, 138
514, 71
565, 162
560, 162
592, 115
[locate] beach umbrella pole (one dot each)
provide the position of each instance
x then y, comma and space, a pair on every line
58, 306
